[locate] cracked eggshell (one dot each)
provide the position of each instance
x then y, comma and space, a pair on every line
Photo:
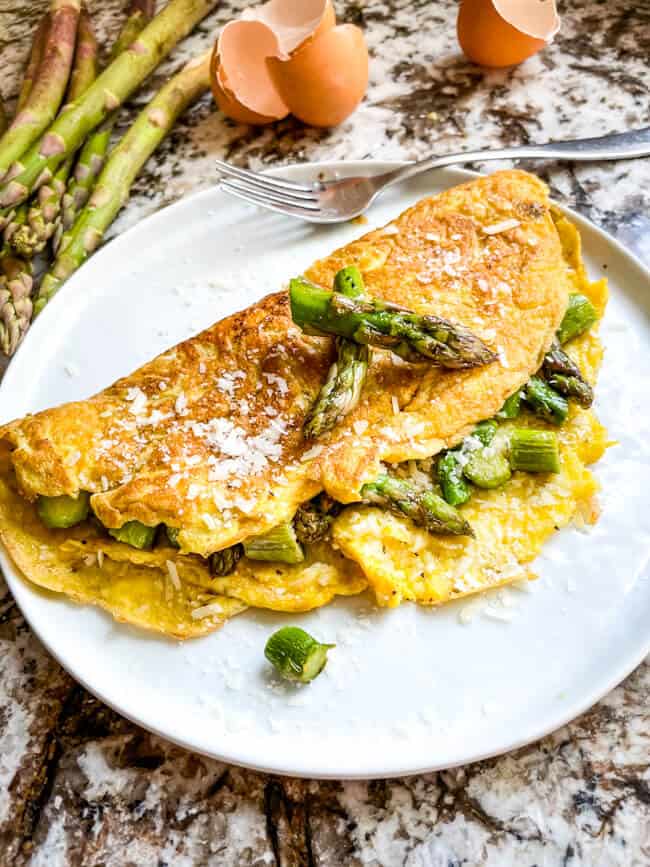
293, 22
241, 84
505, 32
326, 78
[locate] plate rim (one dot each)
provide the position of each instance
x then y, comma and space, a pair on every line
21, 590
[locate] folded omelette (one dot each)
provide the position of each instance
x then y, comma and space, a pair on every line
202, 449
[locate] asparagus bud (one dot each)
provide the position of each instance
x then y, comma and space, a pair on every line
424, 508
15, 300
224, 562
378, 323
545, 401
565, 376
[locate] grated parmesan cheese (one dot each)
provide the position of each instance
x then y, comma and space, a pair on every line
208, 610
503, 226
172, 570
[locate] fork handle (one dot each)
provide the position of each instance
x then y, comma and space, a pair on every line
616, 146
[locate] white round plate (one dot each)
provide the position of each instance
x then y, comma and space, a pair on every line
408, 689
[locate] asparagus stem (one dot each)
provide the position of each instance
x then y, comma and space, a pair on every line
43, 215
535, 451
126, 160
35, 57
485, 431
63, 512
295, 654
378, 323
93, 151
15, 300
579, 317
279, 545
342, 388
224, 562
135, 534
425, 508
3, 116
454, 488
512, 407
47, 89
487, 467
108, 91
545, 401
565, 376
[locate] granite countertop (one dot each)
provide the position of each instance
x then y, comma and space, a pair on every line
81, 785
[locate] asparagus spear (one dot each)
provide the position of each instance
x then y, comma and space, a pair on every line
545, 401
15, 300
224, 562
93, 151
511, 407
3, 117
42, 216
108, 92
278, 545
126, 160
564, 376
535, 451
313, 519
379, 323
47, 89
63, 512
295, 654
424, 508
454, 488
346, 377
136, 534
579, 317
35, 57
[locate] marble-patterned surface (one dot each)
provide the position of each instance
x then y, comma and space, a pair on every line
81, 786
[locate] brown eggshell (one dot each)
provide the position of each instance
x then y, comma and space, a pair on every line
505, 32
293, 22
240, 79
325, 80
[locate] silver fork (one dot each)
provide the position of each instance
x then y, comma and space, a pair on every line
335, 201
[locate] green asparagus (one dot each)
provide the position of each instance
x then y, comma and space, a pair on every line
535, 451
15, 300
313, 519
3, 116
295, 654
512, 407
454, 488
63, 511
579, 317
93, 152
46, 89
485, 431
135, 534
43, 215
349, 281
172, 536
425, 508
545, 401
224, 562
279, 545
35, 57
487, 467
565, 376
108, 91
379, 323
126, 160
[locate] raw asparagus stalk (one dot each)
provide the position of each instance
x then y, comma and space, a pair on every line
579, 317
108, 92
47, 89
565, 376
225, 561
126, 160
35, 57
295, 654
93, 151
378, 323
535, 451
545, 401
15, 300
425, 508
3, 117
346, 377
42, 216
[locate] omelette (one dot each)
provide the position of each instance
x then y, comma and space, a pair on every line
190, 475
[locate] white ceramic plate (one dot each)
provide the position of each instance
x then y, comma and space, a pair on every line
406, 690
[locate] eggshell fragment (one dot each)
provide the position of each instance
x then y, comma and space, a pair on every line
324, 81
293, 22
505, 32
241, 83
